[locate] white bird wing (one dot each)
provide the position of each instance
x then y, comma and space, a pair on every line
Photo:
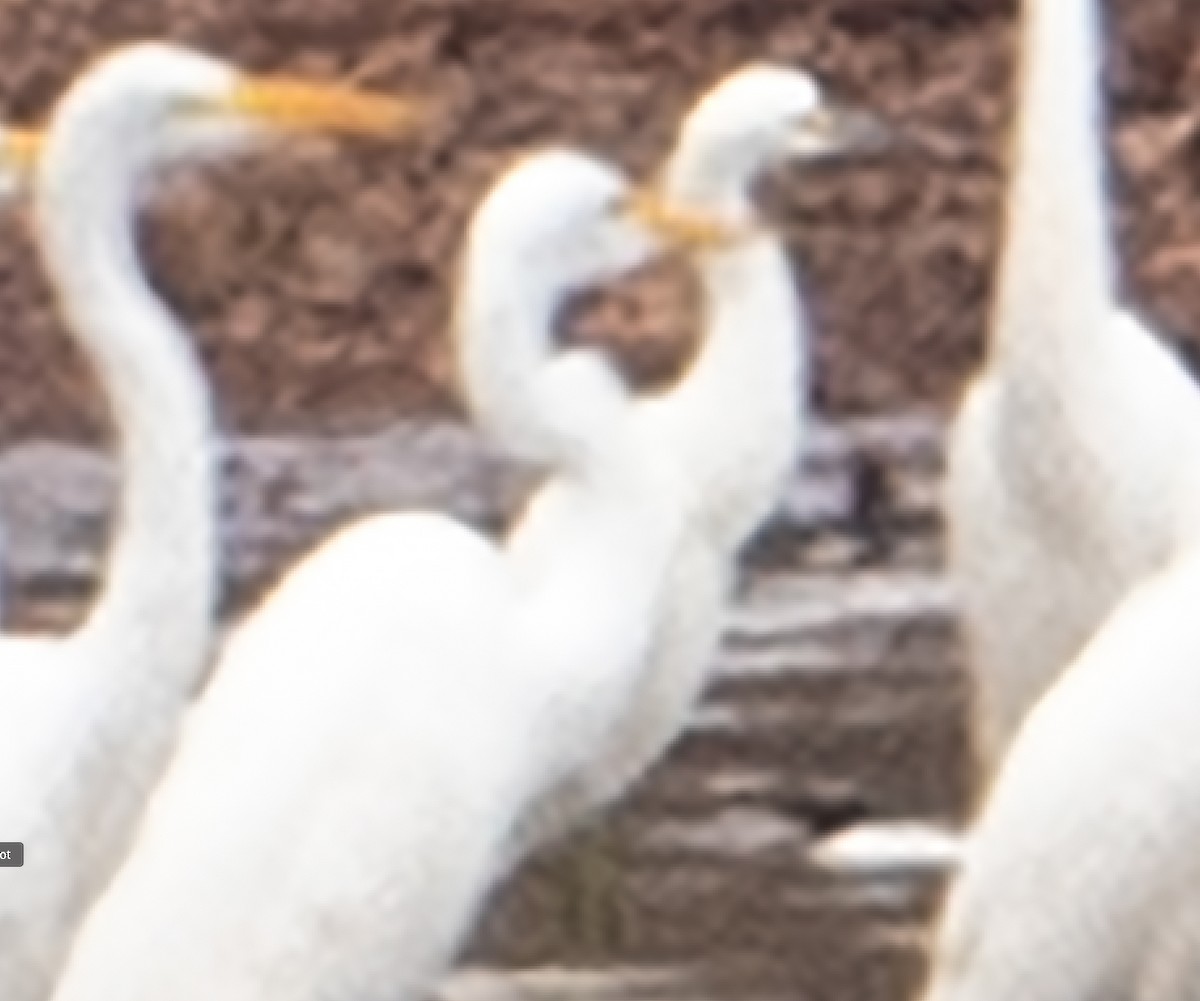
1083, 864
341, 796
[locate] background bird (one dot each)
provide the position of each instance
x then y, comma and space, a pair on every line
1074, 463
1075, 459
353, 780
731, 428
1080, 876
87, 720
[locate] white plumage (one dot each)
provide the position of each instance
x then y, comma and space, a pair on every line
501, 694
731, 428
471, 702
1075, 461
356, 774
87, 721
1080, 877
1074, 466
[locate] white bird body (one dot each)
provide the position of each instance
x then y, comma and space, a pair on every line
1098, 492
734, 424
579, 646
440, 684
87, 721
340, 844
732, 432
731, 428
1080, 876
362, 807
1075, 460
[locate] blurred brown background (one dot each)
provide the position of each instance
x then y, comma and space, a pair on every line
319, 277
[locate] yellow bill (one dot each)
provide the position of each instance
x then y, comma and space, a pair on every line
20, 148
295, 104
684, 226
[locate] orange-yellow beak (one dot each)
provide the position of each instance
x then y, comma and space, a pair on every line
297, 105
20, 149
683, 226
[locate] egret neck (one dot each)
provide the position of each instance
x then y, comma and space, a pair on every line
162, 568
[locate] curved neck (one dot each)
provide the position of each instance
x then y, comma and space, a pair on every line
734, 417
161, 569
556, 412
714, 176
1056, 281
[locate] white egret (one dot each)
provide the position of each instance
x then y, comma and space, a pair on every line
475, 701
1074, 466
1080, 878
731, 427
87, 720
1075, 461
357, 772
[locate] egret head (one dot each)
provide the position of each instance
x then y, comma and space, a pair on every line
760, 117
557, 223
560, 221
154, 102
